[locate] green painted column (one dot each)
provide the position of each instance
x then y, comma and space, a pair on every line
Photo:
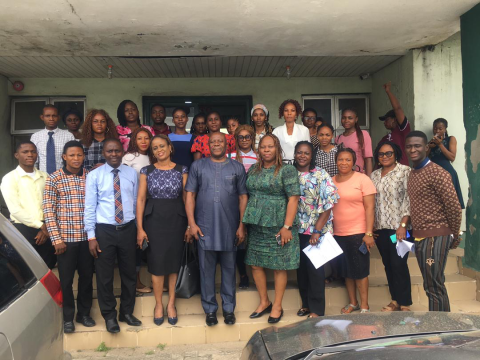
470, 34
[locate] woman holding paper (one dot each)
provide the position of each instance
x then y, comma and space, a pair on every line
392, 214
353, 218
318, 195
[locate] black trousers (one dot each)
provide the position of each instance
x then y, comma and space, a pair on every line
396, 268
121, 245
242, 268
311, 281
77, 257
46, 250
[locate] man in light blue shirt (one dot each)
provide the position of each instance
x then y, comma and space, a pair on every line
110, 205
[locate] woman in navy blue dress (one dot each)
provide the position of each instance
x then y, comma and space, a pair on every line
165, 231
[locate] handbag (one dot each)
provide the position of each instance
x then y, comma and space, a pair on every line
188, 281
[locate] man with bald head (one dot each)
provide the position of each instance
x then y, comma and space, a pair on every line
215, 203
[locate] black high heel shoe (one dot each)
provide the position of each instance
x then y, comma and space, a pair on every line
172, 320
272, 320
267, 310
157, 321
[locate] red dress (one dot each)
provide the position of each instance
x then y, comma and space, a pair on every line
200, 144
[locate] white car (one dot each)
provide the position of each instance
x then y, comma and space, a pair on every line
31, 324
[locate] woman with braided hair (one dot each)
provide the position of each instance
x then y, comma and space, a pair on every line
98, 127
290, 133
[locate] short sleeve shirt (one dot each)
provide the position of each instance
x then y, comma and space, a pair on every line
318, 194
351, 141
218, 186
349, 216
398, 136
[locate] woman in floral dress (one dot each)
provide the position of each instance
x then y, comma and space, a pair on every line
318, 195
129, 120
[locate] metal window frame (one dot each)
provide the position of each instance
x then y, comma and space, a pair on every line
335, 109
48, 100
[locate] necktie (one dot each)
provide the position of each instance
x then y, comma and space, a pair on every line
51, 164
118, 197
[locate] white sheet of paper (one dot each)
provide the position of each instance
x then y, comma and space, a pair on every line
323, 253
404, 247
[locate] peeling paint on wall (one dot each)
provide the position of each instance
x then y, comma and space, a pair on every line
470, 28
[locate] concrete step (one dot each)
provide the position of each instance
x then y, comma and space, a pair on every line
459, 287
191, 329
376, 270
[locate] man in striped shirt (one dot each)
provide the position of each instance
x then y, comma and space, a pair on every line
63, 207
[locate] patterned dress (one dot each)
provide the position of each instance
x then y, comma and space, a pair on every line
165, 229
265, 217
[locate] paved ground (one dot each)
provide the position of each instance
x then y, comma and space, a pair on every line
221, 351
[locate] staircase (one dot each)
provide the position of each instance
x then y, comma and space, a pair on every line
191, 328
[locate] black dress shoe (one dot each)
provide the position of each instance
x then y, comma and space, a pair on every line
68, 327
303, 312
211, 319
112, 326
129, 319
85, 321
267, 310
229, 318
272, 320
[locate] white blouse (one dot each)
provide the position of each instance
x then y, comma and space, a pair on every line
288, 142
136, 161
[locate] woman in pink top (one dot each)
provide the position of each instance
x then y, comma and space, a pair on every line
353, 217
358, 140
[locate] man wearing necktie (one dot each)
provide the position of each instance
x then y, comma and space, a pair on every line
110, 201
50, 141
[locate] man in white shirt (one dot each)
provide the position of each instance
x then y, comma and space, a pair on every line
22, 190
50, 141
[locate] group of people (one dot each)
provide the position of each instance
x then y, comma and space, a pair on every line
254, 197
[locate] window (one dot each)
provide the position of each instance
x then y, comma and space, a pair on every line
16, 277
330, 107
228, 107
26, 111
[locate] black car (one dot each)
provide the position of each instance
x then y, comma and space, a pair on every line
392, 336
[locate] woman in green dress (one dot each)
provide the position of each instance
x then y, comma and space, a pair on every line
273, 242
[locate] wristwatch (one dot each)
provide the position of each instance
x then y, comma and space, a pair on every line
315, 231
287, 227
403, 225
369, 234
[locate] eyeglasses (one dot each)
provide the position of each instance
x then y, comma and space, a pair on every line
246, 137
388, 154
309, 118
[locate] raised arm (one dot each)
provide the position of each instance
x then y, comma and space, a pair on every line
399, 114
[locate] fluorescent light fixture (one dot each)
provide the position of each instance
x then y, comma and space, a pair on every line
188, 102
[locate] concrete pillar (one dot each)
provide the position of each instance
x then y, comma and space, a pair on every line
470, 28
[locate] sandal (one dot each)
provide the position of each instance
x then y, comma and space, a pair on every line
391, 307
404, 308
144, 290
350, 308
364, 311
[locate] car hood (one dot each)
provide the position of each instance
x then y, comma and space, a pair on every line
284, 342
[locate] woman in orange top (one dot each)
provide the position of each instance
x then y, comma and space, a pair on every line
353, 218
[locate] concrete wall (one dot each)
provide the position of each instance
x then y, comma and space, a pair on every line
400, 73
470, 25
439, 93
107, 94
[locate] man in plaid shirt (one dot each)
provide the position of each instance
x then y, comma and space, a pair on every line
63, 207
